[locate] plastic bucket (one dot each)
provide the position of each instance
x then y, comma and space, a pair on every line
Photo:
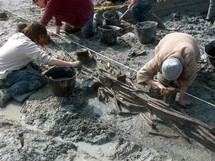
146, 31
108, 34
210, 52
211, 59
62, 80
111, 17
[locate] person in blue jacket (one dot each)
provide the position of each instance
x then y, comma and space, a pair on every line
141, 10
211, 12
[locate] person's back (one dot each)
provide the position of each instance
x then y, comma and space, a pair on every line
175, 42
13, 53
74, 12
77, 13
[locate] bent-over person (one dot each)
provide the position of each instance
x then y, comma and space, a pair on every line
176, 57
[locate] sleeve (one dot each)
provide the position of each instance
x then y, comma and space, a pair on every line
190, 70
35, 53
148, 71
52, 7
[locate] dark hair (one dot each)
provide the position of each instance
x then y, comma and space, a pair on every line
34, 31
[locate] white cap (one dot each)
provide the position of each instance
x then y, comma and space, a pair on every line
171, 69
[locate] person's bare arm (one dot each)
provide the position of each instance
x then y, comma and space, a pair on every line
59, 62
131, 4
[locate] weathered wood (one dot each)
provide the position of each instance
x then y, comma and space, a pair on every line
181, 133
175, 116
149, 121
116, 102
167, 135
186, 125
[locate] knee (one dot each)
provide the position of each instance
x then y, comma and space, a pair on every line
36, 83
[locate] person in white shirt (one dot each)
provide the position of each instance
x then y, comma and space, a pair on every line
17, 81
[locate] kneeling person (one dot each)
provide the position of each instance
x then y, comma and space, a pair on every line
16, 80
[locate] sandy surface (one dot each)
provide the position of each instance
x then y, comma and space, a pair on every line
83, 128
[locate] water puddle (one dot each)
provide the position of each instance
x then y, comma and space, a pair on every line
12, 110
96, 106
97, 111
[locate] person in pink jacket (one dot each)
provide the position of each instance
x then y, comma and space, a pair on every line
175, 59
77, 13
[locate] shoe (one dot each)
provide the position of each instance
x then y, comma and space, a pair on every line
70, 30
4, 98
77, 65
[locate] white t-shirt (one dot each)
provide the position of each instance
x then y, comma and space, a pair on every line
18, 51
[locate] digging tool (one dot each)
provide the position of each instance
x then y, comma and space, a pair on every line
124, 14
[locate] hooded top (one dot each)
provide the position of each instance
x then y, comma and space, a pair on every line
74, 12
178, 45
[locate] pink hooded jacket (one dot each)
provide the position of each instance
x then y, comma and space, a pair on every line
178, 45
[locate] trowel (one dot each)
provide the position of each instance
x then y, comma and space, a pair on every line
123, 14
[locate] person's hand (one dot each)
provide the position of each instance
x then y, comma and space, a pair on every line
185, 103
181, 100
76, 64
161, 87
157, 85
169, 91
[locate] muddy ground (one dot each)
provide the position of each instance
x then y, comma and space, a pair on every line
81, 127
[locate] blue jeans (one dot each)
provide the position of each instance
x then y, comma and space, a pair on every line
87, 30
139, 9
22, 83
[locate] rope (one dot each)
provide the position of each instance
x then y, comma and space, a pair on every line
70, 41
